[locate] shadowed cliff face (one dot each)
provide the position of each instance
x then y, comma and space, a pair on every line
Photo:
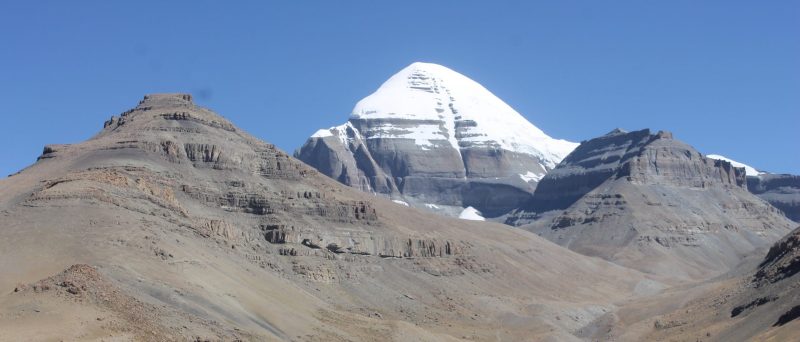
782, 191
782, 260
653, 203
487, 179
185, 227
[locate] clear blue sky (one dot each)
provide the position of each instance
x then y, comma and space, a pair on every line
724, 76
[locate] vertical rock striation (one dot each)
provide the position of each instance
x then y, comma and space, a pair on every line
436, 139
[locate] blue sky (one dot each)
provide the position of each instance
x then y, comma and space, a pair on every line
724, 76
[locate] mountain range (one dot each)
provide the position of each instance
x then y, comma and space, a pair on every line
432, 138
435, 213
173, 224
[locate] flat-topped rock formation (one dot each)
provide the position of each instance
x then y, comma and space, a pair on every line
653, 203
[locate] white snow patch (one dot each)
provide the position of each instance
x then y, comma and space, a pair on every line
749, 170
431, 206
323, 133
470, 213
340, 132
530, 176
423, 135
400, 202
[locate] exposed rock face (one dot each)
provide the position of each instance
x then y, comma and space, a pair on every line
639, 157
780, 190
437, 140
782, 260
275, 208
202, 232
653, 203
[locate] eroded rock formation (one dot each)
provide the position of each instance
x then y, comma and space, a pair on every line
653, 203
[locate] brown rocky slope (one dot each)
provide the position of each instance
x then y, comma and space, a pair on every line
762, 305
173, 224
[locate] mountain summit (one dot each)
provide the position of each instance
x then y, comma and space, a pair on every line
473, 117
437, 139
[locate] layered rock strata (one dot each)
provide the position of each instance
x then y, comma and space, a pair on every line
437, 140
780, 190
653, 203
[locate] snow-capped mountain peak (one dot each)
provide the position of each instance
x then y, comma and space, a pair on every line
431, 136
430, 94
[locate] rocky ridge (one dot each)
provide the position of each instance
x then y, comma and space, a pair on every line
780, 190
653, 203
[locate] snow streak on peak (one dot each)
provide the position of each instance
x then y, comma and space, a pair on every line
340, 132
749, 170
447, 107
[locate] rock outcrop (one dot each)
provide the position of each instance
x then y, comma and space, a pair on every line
437, 140
782, 260
653, 203
780, 190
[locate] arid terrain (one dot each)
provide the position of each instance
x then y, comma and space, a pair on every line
174, 224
